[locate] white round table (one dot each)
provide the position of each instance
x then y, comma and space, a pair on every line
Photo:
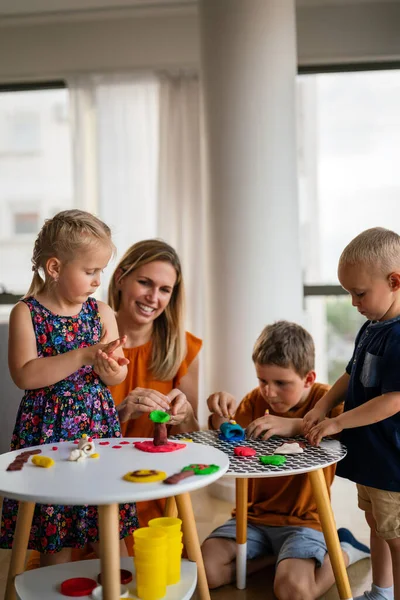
312, 461
99, 481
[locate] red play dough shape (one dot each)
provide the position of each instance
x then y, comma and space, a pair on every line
54, 448
117, 446
103, 443
148, 446
124, 442
78, 586
244, 451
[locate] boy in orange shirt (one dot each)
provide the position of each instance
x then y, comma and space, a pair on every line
283, 523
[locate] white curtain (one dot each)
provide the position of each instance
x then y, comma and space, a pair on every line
180, 189
115, 126
139, 166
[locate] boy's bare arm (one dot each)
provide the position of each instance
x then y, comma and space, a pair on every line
332, 398
373, 411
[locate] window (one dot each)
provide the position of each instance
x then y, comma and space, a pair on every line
26, 222
35, 175
349, 136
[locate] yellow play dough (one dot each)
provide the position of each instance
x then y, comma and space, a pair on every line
95, 455
145, 476
42, 461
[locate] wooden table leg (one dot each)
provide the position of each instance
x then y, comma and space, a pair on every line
170, 509
192, 544
109, 551
20, 546
241, 531
324, 508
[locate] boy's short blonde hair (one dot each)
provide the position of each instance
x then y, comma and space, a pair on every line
378, 248
286, 345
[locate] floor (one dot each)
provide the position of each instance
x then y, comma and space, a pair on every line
211, 512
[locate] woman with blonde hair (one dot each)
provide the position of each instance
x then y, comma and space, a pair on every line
147, 295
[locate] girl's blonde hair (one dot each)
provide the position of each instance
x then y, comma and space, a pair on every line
62, 237
377, 248
168, 335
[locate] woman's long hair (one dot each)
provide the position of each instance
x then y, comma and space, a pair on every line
168, 335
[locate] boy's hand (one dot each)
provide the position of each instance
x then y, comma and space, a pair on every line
312, 418
324, 429
222, 404
269, 425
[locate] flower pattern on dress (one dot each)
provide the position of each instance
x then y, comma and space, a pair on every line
80, 403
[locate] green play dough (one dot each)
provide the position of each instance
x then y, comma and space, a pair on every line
202, 469
159, 416
276, 459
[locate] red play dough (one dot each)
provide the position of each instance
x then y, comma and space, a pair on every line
124, 442
148, 446
78, 586
244, 451
54, 448
103, 443
117, 446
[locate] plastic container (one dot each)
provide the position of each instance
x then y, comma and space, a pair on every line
172, 526
150, 537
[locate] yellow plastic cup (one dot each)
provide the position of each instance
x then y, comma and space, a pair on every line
151, 579
150, 554
174, 563
170, 524
150, 537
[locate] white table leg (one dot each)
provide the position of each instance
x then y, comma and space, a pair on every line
241, 532
109, 551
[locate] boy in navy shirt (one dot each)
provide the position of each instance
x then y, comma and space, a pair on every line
369, 269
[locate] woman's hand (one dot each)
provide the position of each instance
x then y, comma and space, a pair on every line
180, 409
142, 401
269, 425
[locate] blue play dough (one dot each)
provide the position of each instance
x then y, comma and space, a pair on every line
231, 432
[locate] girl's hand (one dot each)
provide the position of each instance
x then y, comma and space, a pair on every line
107, 367
142, 401
324, 429
269, 425
312, 418
222, 404
90, 352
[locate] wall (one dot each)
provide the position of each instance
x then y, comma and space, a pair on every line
169, 38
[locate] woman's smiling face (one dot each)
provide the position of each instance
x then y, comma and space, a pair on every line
146, 292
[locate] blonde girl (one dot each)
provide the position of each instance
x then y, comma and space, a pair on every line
64, 351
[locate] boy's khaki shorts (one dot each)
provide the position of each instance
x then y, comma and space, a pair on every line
385, 508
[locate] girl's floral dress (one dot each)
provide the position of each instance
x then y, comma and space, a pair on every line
79, 404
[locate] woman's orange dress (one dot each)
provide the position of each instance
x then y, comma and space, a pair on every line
138, 376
